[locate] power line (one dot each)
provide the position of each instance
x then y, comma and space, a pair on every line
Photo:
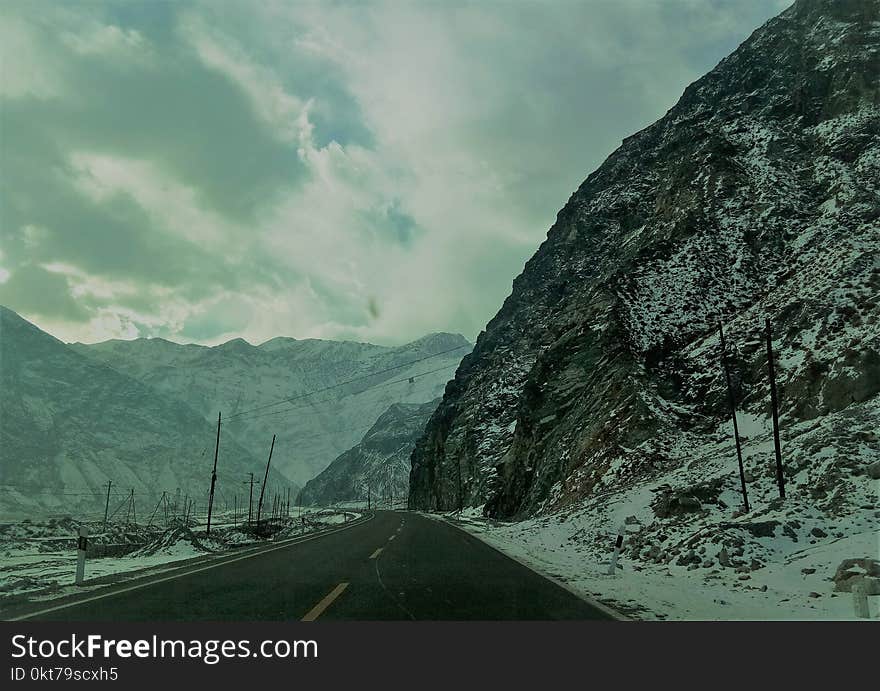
377, 386
9, 487
56, 493
345, 383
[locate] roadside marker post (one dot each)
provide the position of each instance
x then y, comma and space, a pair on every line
860, 601
618, 543
81, 545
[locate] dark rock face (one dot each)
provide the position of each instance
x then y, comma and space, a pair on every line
851, 571
757, 195
676, 501
378, 466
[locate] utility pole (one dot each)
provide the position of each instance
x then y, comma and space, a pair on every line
460, 492
155, 511
731, 399
265, 478
107, 503
780, 478
131, 513
287, 508
213, 477
251, 500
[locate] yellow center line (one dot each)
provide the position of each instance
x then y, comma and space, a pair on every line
318, 609
376, 553
391, 538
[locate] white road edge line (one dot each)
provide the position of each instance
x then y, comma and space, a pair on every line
223, 562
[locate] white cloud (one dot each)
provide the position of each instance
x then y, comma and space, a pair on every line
27, 69
112, 321
482, 123
173, 206
4, 273
275, 106
83, 284
107, 40
473, 123
30, 65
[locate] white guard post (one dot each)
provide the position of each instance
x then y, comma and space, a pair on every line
618, 543
860, 601
81, 545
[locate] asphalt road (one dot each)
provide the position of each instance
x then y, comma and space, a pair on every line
396, 565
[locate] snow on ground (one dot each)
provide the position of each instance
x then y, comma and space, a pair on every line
778, 590
690, 552
38, 560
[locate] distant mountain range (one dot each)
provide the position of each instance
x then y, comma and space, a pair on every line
322, 418
69, 424
143, 413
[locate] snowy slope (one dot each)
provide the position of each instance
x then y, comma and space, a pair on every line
312, 430
69, 424
598, 383
378, 466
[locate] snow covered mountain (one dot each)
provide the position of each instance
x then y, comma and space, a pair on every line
68, 424
322, 418
598, 385
378, 466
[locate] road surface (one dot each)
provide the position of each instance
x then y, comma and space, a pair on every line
395, 565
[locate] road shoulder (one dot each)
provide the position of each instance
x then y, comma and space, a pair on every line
589, 599
107, 586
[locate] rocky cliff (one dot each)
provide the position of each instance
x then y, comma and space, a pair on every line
757, 195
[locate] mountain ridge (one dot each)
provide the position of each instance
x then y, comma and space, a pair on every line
754, 196
377, 467
70, 424
318, 396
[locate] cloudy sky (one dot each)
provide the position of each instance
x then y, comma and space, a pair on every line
363, 170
